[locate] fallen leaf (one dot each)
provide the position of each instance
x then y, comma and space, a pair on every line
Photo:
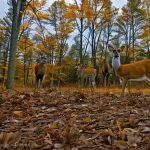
7, 139
87, 120
146, 129
19, 114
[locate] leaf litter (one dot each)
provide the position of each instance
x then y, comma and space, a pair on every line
74, 120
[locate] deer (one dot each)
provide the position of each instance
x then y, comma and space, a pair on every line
85, 73
40, 70
136, 71
106, 71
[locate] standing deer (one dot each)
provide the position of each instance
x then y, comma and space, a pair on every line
40, 70
106, 71
137, 71
85, 74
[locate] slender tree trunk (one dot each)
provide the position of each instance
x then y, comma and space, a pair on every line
0, 51
28, 69
81, 42
52, 61
17, 17
94, 52
13, 47
130, 38
60, 61
24, 70
93, 47
133, 39
5, 63
127, 45
107, 40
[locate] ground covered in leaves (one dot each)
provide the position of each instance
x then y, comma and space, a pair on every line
74, 120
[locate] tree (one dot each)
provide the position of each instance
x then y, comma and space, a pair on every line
145, 36
5, 29
80, 11
18, 8
62, 27
130, 25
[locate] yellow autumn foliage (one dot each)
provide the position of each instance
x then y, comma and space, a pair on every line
41, 15
70, 14
38, 3
24, 26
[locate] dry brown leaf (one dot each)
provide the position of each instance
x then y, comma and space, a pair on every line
87, 120
146, 129
133, 140
48, 139
58, 145
7, 139
132, 136
106, 133
122, 145
19, 114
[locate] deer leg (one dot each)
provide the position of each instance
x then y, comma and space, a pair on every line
40, 83
86, 81
147, 81
36, 82
124, 83
129, 86
79, 81
104, 80
93, 81
107, 80
82, 82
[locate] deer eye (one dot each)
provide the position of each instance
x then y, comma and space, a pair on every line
119, 50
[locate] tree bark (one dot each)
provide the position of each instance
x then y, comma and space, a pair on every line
81, 42
17, 17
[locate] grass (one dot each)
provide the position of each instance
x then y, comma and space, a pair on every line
110, 89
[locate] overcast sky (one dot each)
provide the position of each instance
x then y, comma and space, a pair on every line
4, 7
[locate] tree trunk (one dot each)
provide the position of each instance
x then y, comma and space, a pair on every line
28, 69
5, 63
93, 47
81, 42
17, 17
0, 51
133, 39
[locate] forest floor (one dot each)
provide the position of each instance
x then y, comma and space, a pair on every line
74, 119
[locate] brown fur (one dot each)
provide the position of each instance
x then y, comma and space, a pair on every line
135, 70
40, 70
130, 72
89, 71
106, 70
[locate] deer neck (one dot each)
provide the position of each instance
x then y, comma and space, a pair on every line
116, 63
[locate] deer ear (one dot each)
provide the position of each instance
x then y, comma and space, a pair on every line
110, 47
122, 47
